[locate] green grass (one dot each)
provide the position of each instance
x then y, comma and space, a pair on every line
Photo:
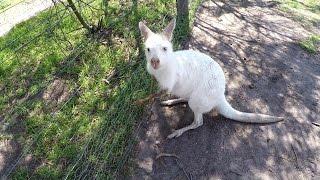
87, 132
307, 12
311, 44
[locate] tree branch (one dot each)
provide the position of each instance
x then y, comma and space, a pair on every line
78, 15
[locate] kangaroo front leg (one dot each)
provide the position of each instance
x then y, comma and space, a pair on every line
198, 121
173, 102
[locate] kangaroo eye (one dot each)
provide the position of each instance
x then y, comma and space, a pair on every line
164, 49
148, 49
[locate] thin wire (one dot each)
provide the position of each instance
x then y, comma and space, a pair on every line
52, 116
14, 57
43, 32
83, 167
90, 6
7, 8
32, 27
46, 19
92, 141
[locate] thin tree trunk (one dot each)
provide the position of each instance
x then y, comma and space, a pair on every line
78, 15
105, 4
182, 8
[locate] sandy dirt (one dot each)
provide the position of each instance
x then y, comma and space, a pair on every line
267, 72
22, 11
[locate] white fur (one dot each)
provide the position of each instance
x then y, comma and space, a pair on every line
196, 77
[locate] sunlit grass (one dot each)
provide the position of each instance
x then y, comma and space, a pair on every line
311, 44
307, 12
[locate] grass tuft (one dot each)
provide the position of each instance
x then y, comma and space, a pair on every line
306, 12
311, 44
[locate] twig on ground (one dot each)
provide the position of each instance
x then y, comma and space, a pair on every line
110, 75
188, 175
236, 173
316, 124
145, 100
295, 155
166, 155
149, 98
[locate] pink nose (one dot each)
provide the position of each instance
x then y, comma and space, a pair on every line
155, 63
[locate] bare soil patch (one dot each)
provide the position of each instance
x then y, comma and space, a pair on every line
11, 147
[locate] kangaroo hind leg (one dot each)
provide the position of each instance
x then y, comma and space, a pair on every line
198, 121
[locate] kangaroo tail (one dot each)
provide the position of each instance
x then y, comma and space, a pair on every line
229, 112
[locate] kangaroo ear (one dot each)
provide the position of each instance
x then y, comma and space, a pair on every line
144, 30
168, 31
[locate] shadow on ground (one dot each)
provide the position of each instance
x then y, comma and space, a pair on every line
267, 72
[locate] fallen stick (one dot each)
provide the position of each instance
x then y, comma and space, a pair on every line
316, 124
178, 163
110, 75
145, 100
149, 98
166, 155
295, 155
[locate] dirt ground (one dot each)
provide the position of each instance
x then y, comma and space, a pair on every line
267, 72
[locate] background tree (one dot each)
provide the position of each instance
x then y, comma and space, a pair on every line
182, 32
78, 15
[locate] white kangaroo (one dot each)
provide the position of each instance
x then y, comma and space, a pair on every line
192, 76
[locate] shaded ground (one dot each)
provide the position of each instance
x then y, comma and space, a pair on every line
267, 72
11, 149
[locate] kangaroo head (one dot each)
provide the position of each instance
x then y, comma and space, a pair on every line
158, 46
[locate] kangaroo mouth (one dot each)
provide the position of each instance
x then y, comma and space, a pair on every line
155, 65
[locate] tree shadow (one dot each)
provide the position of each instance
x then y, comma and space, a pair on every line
53, 92
267, 72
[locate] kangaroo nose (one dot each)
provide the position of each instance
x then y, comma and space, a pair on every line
155, 63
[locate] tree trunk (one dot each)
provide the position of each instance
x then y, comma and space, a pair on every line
105, 6
78, 15
182, 8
